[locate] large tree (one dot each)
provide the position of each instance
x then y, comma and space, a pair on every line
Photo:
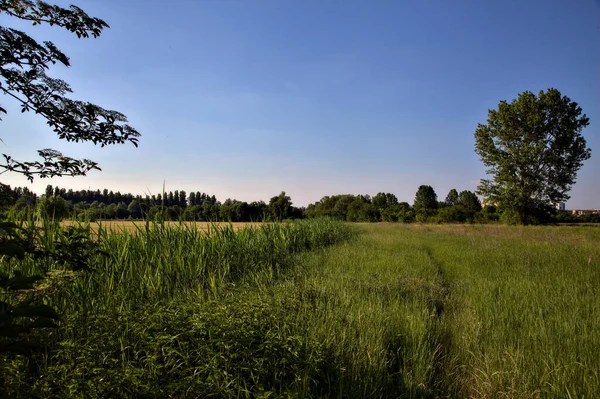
23, 77
533, 148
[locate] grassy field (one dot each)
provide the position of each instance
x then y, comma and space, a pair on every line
460, 311
389, 311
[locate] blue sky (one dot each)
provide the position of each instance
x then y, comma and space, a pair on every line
244, 99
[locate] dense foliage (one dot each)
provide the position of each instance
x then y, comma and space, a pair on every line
385, 207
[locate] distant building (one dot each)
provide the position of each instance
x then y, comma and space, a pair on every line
485, 203
561, 206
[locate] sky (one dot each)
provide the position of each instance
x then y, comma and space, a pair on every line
245, 99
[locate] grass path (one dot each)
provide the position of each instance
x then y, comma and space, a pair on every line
457, 311
379, 302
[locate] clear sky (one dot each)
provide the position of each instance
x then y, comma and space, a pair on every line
244, 99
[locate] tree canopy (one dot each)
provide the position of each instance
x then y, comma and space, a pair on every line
384, 200
452, 197
425, 199
280, 207
23, 77
468, 201
533, 148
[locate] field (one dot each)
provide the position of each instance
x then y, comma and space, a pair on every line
325, 309
137, 225
462, 311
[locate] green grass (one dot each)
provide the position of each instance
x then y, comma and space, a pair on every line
525, 311
171, 311
459, 311
311, 309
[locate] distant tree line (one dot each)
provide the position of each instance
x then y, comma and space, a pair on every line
457, 207
60, 203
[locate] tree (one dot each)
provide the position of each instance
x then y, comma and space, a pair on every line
135, 210
122, 211
227, 212
23, 66
242, 212
425, 200
258, 211
468, 201
6, 196
53, 208
384, 200
452, 197
340, 209
368, 213
532, 148
451, 214
49, 191
280, 207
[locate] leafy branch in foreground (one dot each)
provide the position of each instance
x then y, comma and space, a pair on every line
54, 164
23, 66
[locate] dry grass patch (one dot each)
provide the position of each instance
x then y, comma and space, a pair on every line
133, 226
548, 234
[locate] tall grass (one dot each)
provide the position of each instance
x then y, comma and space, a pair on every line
175, 287
373, 303
278, 311
465, 311
159, 262
526, 310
